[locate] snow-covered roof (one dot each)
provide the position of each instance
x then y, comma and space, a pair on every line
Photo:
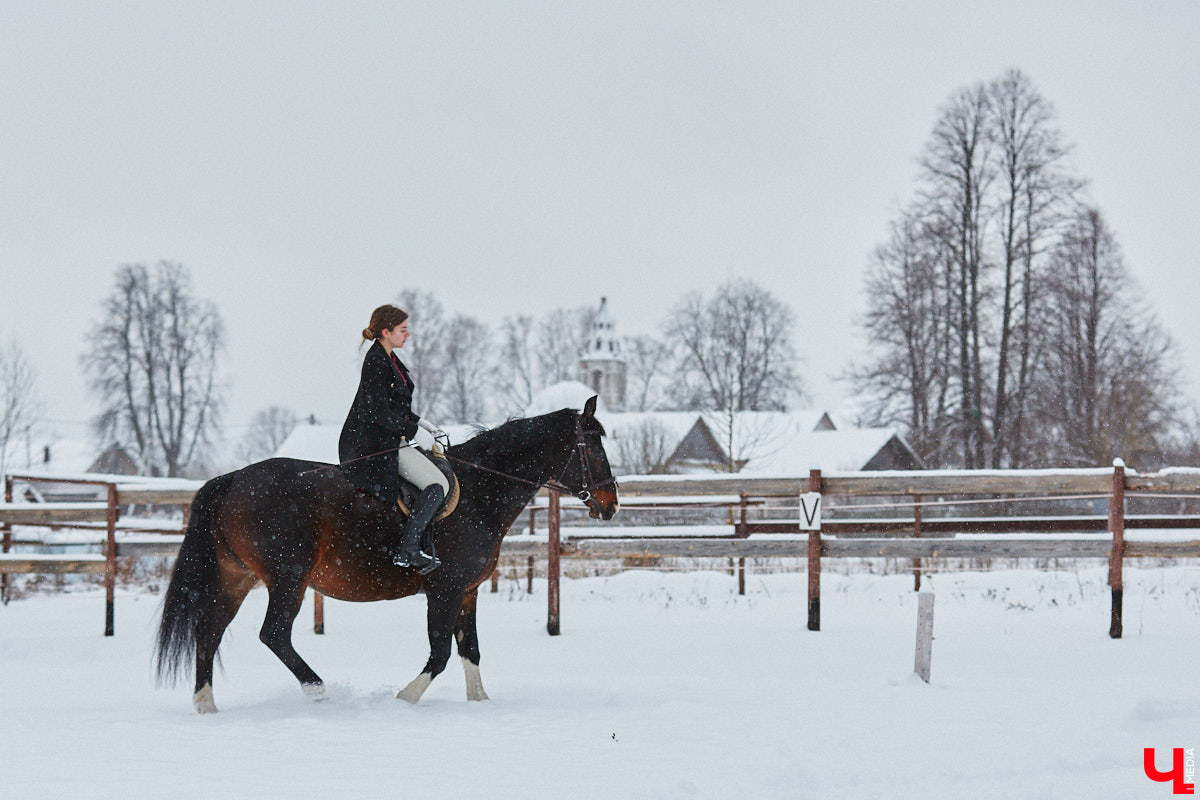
66, 456
800, 451
675, 424
565, 394
768, 441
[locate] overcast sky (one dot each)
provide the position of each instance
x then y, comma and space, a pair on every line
308, 160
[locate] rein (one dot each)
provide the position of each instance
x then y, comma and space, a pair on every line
360, 458
579, 448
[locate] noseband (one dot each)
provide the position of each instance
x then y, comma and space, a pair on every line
585, 472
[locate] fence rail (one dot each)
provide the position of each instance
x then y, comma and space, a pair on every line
916, 538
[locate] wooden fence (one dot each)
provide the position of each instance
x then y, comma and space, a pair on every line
916, 536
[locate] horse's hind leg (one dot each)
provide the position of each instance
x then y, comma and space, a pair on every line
468, 646
235, 585
440, 620
276, 633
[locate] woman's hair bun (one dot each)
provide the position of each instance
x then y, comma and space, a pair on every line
368, 335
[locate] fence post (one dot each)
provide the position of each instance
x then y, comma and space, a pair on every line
1116, 556
814, 563
917, 535
552, 565
110, 561
495, 579
529, 584
742, 534
318, 613
7, 541
924, 653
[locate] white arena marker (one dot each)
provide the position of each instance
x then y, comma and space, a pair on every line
810, 511
924, 655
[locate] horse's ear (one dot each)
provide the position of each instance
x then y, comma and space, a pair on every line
589, 408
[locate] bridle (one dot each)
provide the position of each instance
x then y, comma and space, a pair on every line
585, 471
580, 449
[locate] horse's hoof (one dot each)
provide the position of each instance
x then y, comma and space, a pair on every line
203, 700
315, 692
412, 693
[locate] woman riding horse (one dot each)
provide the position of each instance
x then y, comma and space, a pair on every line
376, 448
294, 524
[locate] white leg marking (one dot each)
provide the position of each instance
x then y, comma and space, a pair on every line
203, 700
474, 681
412, 693
315, 692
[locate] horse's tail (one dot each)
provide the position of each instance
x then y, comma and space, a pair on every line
195, 590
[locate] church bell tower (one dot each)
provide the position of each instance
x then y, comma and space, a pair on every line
601, 365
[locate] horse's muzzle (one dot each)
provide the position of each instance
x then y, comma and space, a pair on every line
603, 504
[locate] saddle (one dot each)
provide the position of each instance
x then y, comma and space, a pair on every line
409, 492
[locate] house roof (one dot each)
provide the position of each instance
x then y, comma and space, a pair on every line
766, 441
829, 451
67, 456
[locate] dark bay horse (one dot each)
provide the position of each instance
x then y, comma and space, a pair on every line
293, 524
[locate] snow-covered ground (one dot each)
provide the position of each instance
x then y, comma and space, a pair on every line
661, 685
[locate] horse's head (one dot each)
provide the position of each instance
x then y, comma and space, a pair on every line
588, 474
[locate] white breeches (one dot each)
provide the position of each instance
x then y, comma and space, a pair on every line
420, 471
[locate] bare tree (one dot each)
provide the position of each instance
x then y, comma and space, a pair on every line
425, 353
560, 342
469, 369
1108, 387
1034, 194
648, 365
959, 297
270, 427
744, 435
907, 382
519, 377
17, 402
735, 348
956, 173
644, 448
153, 362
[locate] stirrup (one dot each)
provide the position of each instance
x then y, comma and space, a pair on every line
423, 563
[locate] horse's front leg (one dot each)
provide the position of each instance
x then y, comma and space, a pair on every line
442, 611
468, 645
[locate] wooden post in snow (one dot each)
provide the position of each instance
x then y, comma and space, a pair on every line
7, 540
917, 535
552, 565
814, 563
529, 583
924, 654
1116, 556
742, 534
110, 561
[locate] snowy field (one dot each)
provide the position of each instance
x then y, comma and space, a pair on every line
661, 685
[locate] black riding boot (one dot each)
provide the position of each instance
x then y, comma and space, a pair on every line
410, 554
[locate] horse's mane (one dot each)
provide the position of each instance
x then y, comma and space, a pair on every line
515, 432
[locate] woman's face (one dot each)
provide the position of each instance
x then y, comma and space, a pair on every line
396, 337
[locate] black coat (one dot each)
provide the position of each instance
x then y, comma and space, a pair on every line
380, 419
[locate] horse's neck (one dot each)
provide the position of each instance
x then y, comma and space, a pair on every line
533, 461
